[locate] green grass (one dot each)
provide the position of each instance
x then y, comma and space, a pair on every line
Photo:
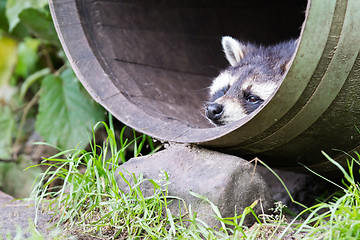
340, 217
337, 218
90, 203
89, 196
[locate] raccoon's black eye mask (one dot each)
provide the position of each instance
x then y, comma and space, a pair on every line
219, 93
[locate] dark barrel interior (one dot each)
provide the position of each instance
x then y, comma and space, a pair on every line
150, 63
168, 51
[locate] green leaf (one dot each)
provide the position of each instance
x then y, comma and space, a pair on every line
7, 125
15, 7
31, 79
20, 31
4, 25
27, 56
8, 55
155, 184
40, 24
66, 115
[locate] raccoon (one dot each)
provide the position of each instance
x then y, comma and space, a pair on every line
254, 74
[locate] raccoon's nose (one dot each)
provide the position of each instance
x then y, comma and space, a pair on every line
214, 111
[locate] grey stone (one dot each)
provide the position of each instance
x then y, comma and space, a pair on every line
231, 183
16, 215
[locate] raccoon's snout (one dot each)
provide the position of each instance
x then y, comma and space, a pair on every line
214, 111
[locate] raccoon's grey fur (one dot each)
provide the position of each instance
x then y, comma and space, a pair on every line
254, 74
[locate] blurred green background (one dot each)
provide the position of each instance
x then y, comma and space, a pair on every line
40, 97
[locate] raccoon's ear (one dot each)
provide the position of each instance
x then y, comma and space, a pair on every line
233, 49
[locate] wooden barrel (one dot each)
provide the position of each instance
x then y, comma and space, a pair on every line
149, 63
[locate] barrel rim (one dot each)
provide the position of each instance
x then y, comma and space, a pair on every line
173, 132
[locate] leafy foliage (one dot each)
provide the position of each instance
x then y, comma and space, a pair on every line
40, 24
7, 124
15, 7
27, 57
8, 56
36, 82
63, 109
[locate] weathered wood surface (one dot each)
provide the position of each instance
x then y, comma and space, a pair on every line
150, 64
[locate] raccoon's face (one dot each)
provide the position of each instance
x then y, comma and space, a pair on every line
245, 85
232, 97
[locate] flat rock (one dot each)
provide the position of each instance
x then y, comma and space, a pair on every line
231, 183
15, 217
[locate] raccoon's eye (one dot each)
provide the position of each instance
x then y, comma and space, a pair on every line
253, 99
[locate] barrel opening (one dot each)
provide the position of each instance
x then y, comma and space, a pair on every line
162, 56
150, 64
